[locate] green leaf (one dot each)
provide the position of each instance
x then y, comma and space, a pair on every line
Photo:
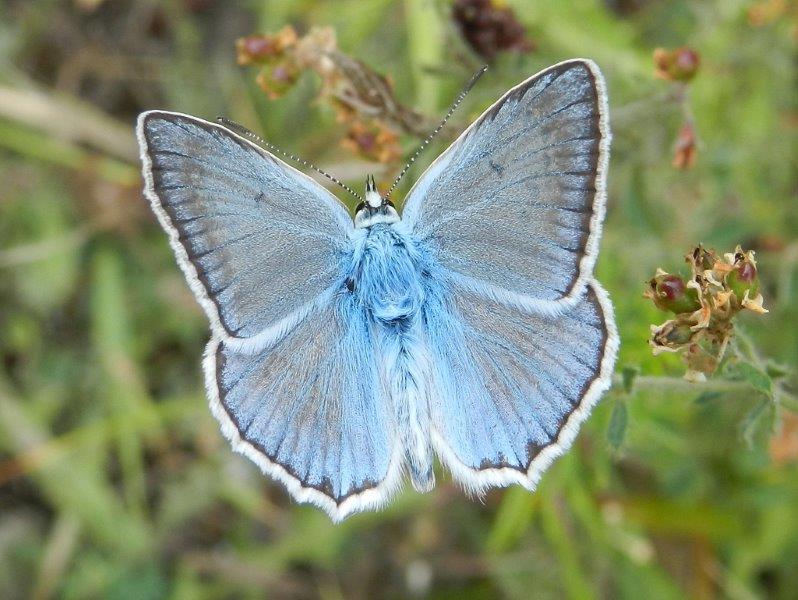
617, 427
759, 380
628, 375
513, 519
141, 583
757, 425
707, 397
776, 371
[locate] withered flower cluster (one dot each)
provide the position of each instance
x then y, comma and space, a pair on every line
276, 55
704, 306
489, 27
362, 98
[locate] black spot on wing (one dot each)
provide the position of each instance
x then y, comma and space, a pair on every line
497, 167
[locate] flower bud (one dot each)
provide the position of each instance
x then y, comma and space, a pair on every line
259, 49
671, 336
679, 334
254, 48
680, 64
277, 79
744, 277
670, 292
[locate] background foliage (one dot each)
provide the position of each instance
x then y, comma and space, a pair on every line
114, 479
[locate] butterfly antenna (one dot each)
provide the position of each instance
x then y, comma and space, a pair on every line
243, 131
463, 93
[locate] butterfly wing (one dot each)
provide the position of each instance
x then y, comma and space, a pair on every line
512, 387
266, 251
259, 242
311, 410
514, 207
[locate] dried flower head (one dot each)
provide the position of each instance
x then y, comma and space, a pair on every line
363, 99
680, 64
489, 28
373, 141
704, 306
356, 90
277, 79
261, 49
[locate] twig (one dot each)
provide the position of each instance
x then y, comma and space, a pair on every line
57, 554
673, 384
68, 119
28, 253
665, 383
643, 107
34, 450
232, 569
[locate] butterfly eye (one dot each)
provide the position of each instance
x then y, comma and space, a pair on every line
389, 203
360, 207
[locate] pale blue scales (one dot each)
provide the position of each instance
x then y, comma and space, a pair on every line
470, 328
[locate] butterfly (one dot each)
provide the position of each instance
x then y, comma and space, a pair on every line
346, 354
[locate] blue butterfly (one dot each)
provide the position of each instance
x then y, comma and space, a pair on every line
470, 328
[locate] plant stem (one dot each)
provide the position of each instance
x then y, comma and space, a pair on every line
672, 384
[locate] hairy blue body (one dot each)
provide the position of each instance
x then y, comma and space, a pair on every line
390, 280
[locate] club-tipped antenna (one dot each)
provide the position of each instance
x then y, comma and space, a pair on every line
463, 93
243, 131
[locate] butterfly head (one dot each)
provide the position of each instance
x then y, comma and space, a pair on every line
375, 209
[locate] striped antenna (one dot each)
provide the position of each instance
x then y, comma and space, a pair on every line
243, 131
435, 131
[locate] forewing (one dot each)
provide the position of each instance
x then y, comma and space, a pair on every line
513, 387
258, 241
514, 207
311, 411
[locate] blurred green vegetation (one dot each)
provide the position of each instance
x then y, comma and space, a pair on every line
114, 479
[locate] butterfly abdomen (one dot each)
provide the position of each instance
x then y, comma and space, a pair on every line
407, 369
389, 285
